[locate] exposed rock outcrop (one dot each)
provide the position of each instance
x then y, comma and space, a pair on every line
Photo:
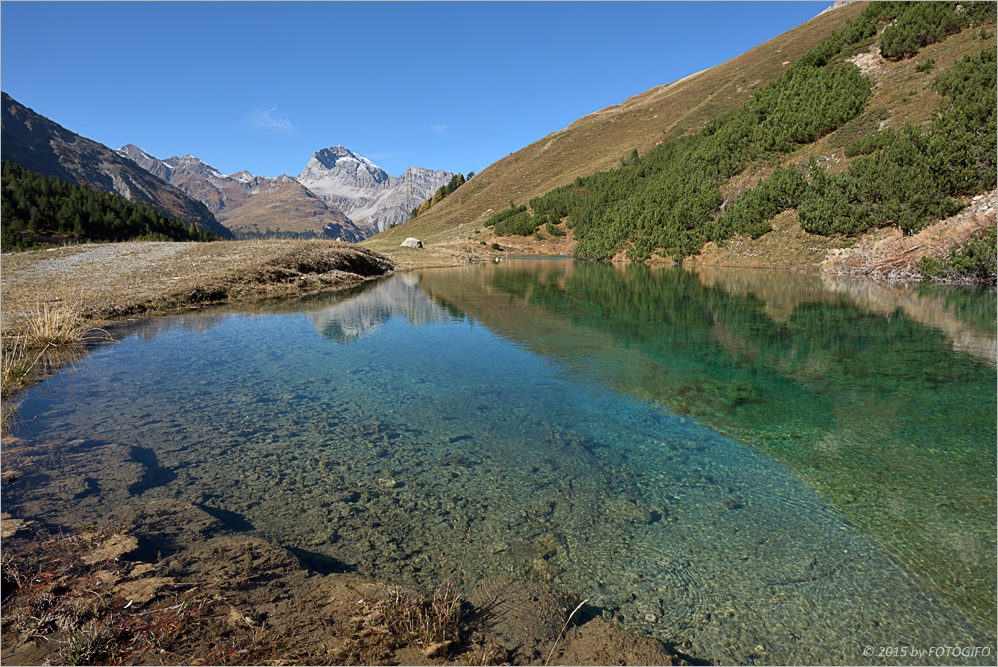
371, 198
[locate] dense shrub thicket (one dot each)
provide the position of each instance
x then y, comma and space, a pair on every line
521, 224
919, 24
34, 205
668, 200
908, 177
750, 212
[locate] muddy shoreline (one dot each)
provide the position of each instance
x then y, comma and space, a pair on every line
168, 583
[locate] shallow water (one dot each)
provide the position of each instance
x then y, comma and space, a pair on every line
761, 467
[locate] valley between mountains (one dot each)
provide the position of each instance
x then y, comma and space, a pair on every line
860, 142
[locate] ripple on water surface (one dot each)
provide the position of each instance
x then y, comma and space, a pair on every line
391, 433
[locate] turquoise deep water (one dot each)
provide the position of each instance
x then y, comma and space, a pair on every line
759, 467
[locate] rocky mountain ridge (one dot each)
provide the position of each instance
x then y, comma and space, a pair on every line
47, 148
364, 191
339, 194
249, 204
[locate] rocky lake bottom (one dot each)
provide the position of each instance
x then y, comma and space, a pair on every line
473, 423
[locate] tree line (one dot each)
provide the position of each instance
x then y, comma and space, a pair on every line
39, 210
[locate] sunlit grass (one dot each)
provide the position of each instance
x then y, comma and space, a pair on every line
56, 325
37, 342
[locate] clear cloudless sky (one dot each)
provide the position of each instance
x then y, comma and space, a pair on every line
449, 85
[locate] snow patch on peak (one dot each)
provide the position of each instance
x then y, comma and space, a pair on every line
329, 157
128, 150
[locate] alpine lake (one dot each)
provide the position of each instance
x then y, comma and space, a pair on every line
755, 466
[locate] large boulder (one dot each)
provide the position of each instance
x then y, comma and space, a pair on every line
412, 243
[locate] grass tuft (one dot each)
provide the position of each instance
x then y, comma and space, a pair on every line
37, 342
426, 618
57, 325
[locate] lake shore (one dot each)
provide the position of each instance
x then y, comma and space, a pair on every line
141, 605
136, 280
168, 584
106, 282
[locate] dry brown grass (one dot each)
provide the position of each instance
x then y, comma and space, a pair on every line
15, 368
51, 587
109, 281
432, 620
597, 141
56, 325
38, 341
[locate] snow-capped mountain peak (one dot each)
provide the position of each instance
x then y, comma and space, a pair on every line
364, 191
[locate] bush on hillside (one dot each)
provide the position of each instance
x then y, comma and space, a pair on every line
919, 24
667, 200
976, 259
502, 215
908, 178
521, 224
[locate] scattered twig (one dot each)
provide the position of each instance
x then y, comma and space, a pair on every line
563, 631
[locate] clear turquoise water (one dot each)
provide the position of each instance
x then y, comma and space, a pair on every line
760, 467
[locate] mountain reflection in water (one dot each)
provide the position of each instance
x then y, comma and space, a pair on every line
696, 448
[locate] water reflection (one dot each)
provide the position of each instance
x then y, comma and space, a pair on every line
389, 431
875, 394
360, 316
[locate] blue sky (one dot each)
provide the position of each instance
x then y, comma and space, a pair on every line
261, 86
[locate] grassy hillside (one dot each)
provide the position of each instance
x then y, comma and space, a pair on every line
597, 142
842, 141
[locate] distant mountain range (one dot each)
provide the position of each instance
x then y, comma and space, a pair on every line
250, 204
361, 189
339, 194
49, 149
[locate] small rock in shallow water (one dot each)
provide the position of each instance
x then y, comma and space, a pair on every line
111, 548
650, 618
